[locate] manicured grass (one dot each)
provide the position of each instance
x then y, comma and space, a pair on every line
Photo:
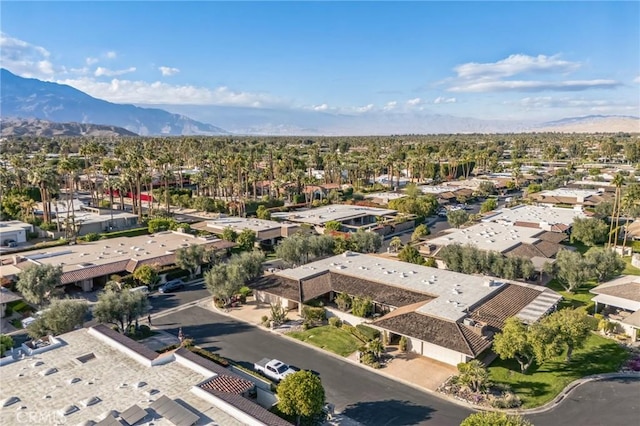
582, 248
581, 297
629, 269
19, 306
543, 383
329, 338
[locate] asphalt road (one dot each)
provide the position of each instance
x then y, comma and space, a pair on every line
360, 394
602, 403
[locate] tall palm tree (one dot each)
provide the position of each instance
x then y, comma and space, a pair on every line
618, 180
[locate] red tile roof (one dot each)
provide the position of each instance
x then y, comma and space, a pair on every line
228, 384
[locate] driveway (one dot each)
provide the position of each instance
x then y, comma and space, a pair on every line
360, 394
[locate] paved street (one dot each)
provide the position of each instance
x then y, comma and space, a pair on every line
362, 395
603, 403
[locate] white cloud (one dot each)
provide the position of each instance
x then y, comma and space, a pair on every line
637, 79
443, 100
146, 93
91, 61
168, 71
111, 55
390, 106
25, 59
321, 107
515, 64
544, 102
365, 108
484, 86
414, 102
105, 72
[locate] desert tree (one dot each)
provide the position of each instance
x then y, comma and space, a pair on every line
38, 283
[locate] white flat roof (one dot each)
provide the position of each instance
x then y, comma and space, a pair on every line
239, 224
489, 236
535, 214
337, 212
44, 395
454, 292
431, 189
86, 217
14, 225
387, 195
103, 252
569, 192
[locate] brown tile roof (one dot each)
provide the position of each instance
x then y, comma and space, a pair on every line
559, 227
316, 286
252, 409
547, 248
552, 237
125, 341
227, 384
628, 290
448, 334
509, 300
528, 251
381, 293
279, 286
93, 272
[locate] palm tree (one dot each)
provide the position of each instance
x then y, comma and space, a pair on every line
618, 180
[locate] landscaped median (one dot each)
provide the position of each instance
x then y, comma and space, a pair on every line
543, 383
329, 338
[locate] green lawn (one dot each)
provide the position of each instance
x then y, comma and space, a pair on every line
630, 270
580, 298
329, 338
543, 383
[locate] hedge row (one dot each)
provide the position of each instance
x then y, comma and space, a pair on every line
368, 332
127, 233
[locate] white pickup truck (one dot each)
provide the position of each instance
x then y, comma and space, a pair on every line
273, 369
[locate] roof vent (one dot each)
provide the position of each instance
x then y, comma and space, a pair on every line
74, 380
69, 409
10, 401
90, 401
48, 371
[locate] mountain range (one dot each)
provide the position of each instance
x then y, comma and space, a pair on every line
28, 98
32, 98
36, 127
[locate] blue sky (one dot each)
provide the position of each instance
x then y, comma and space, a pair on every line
491, 60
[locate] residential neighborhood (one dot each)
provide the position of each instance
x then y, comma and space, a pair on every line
462, 290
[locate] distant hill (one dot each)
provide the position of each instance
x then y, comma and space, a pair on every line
593, 124
32, 98
36, 127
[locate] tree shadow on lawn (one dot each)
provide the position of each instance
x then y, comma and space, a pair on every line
606, 358
388, 412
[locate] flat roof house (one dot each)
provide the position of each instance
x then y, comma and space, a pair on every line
445, 315
532, 243
621, 300
14, 230
571, 196
94, 262
267, 231
352, 217
548, 218
75, 382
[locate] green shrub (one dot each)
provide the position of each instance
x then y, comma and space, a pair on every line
593, 323
349, 328
361, 307
92, 236
403, 346
245, 291
313, 315
335, 322
343, 301
210, 356
367, 332
264, 319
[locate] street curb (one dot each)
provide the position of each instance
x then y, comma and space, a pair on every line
571, 387
546, 407
352, 362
